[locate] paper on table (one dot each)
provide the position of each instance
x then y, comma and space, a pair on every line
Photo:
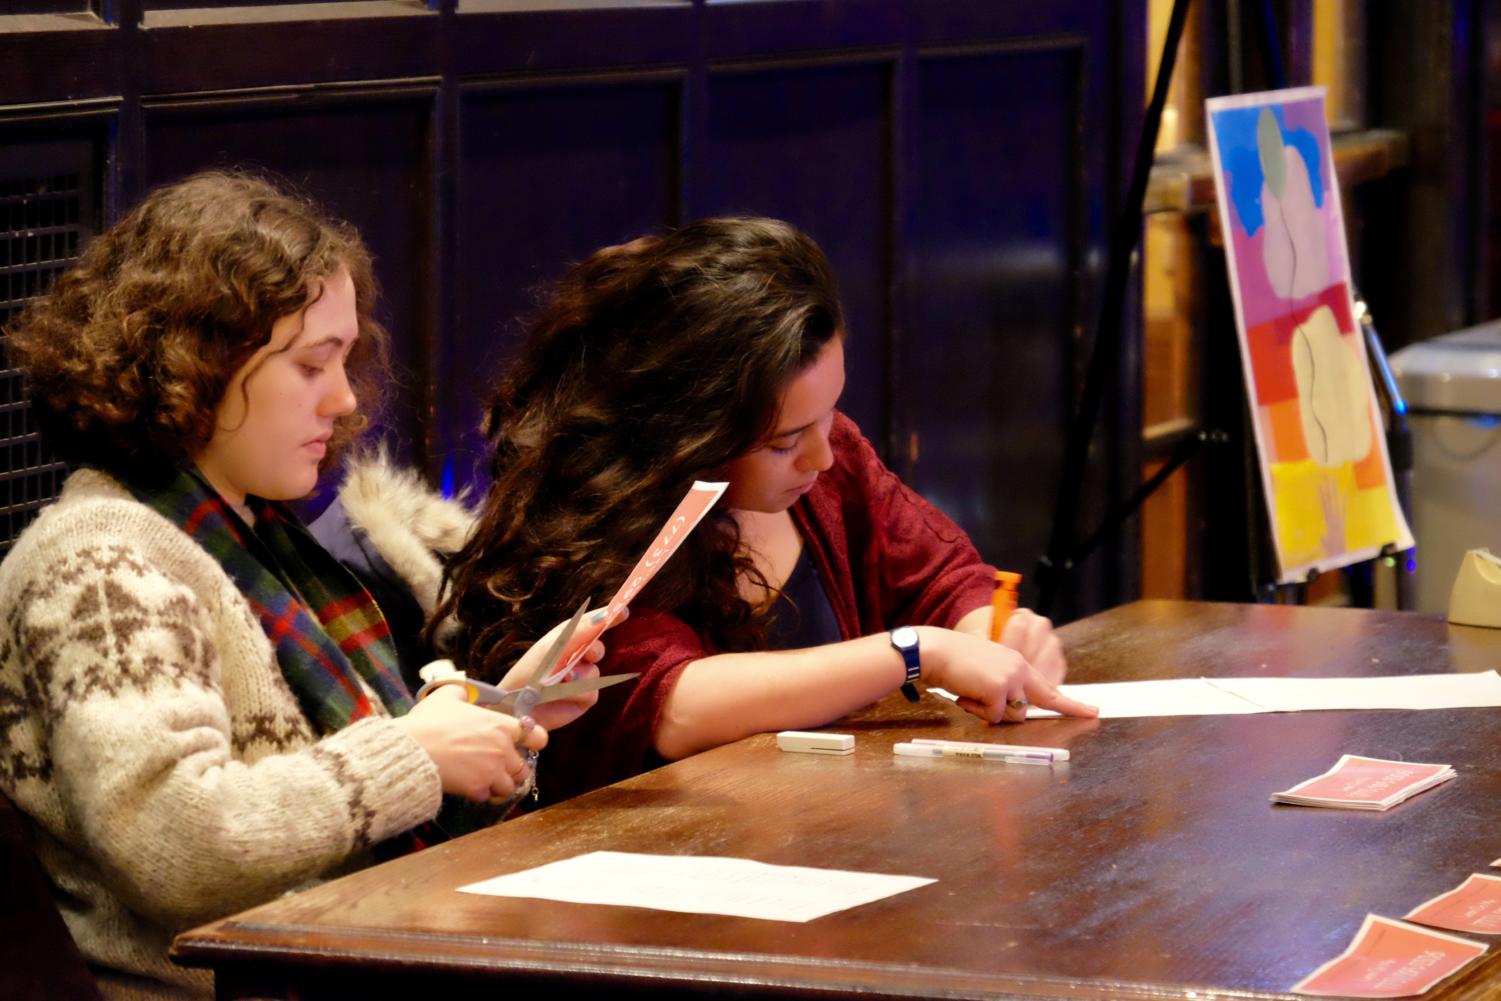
698, 885
1472, 906
1390, 959
1235, 696
1410, 691
1166, 697
1162, 697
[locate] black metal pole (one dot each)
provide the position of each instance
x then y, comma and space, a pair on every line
1185, 451
1055, 562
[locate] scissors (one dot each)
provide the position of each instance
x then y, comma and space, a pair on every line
519, 702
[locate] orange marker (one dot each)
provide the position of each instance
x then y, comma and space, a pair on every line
1003, 601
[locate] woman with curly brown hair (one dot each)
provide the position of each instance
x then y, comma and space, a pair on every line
717, 352
201, 707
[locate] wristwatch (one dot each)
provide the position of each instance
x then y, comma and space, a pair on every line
904, 638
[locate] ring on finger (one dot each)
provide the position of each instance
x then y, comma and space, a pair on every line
1016, 703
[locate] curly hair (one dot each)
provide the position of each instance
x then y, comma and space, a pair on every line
650, 365
128, 356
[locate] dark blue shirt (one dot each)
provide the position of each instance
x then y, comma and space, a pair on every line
802, 615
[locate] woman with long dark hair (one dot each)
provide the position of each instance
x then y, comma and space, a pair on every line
716, 351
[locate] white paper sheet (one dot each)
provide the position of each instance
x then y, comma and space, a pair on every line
1414, 691
698, 885
1234, 696
1167, 697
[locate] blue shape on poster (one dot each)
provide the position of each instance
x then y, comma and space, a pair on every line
1235, 129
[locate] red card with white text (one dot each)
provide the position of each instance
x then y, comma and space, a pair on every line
1359, 783
690, 511
1473, 906
1390, 959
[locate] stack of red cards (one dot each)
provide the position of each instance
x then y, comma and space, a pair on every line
1357, 783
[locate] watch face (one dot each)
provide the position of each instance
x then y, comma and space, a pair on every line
905, 636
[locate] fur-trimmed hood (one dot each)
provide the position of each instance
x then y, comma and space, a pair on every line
406, 522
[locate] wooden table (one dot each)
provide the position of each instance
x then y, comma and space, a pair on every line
1152, 866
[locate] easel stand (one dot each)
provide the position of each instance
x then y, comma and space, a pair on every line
1399, 450
1062, 554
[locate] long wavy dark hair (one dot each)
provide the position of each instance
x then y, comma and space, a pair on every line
649, 365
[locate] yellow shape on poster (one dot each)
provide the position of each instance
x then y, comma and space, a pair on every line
1311, 506
1322, 513
1368, 519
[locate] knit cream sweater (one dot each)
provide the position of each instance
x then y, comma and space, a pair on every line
147, 731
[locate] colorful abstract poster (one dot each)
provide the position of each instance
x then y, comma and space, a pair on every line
1324, 468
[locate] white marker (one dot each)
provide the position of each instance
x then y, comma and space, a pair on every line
990, 752
1053, 753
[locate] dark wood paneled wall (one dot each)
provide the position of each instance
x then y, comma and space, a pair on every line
960, 160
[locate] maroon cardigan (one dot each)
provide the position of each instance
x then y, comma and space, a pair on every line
885, 558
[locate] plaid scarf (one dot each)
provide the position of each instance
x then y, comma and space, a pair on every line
331, 641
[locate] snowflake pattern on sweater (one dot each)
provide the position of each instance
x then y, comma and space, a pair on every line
147, 732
